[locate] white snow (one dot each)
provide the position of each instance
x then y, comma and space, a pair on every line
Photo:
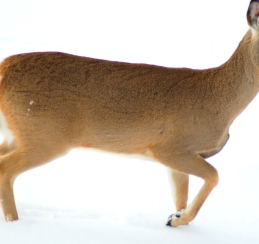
91, 197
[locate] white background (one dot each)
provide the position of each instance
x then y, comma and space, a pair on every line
92, 197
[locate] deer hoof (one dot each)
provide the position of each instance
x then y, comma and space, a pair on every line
169, 222
174, 217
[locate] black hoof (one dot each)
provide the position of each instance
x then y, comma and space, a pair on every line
169, 222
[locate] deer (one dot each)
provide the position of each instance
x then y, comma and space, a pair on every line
52, 102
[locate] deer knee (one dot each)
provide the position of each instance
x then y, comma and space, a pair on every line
212, 177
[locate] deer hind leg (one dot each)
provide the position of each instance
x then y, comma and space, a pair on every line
7, 164
17, 162
190, 165
6, 147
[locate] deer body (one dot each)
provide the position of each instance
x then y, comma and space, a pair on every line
53, 102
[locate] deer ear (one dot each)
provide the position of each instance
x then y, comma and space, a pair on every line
253, 15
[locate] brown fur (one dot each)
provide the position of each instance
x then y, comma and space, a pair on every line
53, 102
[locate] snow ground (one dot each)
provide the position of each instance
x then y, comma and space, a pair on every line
92, 197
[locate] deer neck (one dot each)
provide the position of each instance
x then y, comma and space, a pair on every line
238, 78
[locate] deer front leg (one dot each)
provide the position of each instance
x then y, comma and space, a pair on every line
189, 165
179, 183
